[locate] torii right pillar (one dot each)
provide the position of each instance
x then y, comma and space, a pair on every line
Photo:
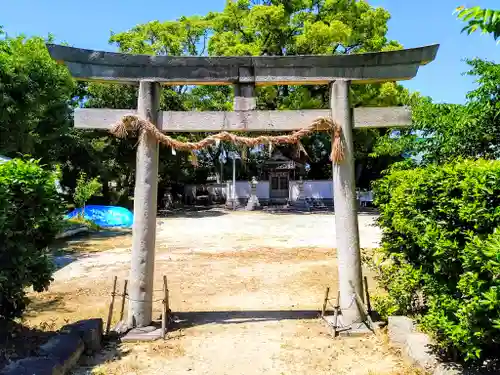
346, 217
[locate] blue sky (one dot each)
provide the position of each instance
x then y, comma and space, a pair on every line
414, 23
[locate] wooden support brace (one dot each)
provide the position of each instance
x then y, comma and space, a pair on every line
336, 315
111, 305
325, 302
124, 296
166, 309
367, 294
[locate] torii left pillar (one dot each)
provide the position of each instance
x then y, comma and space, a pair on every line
346, 216
145, 202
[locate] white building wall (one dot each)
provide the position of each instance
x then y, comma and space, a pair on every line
263, 190
313, 189
243, 189
318, 189
321, 189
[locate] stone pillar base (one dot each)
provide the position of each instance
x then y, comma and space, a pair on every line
301, 204
253, 203
232, 204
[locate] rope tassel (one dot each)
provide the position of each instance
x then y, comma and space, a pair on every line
337, 154
193, 158
244, 155
301, 149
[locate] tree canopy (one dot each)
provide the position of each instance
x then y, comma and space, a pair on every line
36, 116
36, 96
273, 28
443, 132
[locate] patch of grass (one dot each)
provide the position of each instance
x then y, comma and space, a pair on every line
78, 220
137, 358
52, 310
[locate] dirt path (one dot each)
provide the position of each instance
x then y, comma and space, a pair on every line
246, 288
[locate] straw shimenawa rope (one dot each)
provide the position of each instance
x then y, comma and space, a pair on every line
132, 123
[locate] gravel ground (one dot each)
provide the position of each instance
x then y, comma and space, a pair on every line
217, 231
247, 286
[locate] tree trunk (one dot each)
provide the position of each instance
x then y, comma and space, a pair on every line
106, 195
359, 171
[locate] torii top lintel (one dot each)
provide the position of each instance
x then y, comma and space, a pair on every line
259, 70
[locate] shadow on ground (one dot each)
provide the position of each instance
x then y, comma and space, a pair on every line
196, 318
41, 302
107, 233
111, 351
114, 351
66, 251
279, 210
220, 210
193, 212
18, 341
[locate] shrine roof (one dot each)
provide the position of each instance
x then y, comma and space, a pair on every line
280, 161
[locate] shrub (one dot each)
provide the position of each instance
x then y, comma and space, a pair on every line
86, 189
442, 252
30, 216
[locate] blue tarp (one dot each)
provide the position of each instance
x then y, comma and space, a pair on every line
105, 216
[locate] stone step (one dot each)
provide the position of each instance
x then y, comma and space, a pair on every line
301, 204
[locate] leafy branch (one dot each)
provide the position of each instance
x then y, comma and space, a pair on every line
477, 18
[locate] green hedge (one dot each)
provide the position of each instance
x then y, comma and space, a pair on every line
31, 214
441, 253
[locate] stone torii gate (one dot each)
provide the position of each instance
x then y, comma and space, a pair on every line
244, 73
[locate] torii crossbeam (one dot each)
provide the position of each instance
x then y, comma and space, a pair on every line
338, 71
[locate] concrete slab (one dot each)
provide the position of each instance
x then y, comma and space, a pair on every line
399, 328
357, 330
419, 350
149, 333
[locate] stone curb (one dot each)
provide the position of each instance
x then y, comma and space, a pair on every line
416, 347
72, 232
58, 355
89, 330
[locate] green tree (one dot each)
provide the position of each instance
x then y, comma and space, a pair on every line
477, 18
274, 28
311, 27
443, 132
36, 97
